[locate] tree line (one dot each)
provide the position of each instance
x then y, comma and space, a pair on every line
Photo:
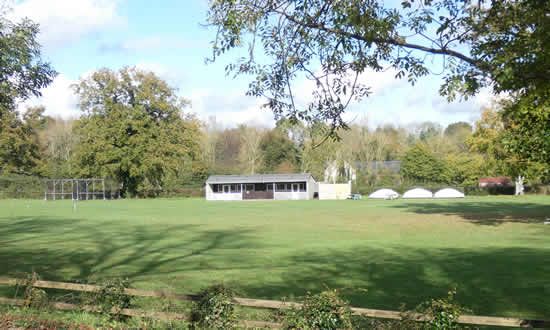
134, 128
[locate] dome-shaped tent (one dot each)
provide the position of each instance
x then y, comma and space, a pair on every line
384, 194
418, 193
448, 193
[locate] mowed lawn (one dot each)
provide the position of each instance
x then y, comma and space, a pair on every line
496, 250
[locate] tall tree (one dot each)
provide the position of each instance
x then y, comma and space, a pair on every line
428, 130
458, 133
209, 140
278, 152
227, 151
421, 165
526, 135
250, 153
133, 129
22, 75
58, 142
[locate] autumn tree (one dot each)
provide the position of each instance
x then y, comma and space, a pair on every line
458, 133
58, 143
132, 129
228, 145
209, 139
250, 153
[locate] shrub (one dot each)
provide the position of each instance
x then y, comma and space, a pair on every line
215, 308
443, 312
539, 189
21, 186
34, 297
322, 311
110, 297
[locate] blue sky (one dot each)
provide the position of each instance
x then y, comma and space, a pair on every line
167, 37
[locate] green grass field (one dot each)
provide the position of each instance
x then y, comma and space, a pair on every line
379, 253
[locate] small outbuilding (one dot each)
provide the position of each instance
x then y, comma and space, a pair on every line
418, 193
448, 193
494, 182
384, 194
261, 186
334, 190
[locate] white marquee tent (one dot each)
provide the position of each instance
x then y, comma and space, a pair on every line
418, 193
384, 194
448, 193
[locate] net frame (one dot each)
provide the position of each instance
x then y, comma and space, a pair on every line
81, 189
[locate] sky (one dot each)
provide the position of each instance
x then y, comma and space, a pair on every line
169, 37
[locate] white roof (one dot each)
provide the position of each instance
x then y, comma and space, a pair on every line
448, 193
259, 178
384, 194
418, 193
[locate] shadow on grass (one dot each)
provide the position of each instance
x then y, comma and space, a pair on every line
76, 249
482, 213
491, 281
495, 281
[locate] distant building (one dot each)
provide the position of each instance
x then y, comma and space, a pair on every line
494, 182
346, 172
261, 186
339, 172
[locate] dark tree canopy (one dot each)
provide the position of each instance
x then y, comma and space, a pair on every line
278, 152
500, 43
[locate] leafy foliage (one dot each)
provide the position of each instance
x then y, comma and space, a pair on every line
526, 134
278, 152
34, 297
443, 312
19, 145
133, 129
325, 310
110, 297
215, 309
23, 72
420, 164
465, 168
500, 44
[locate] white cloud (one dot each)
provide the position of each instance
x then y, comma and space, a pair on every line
58, 98
65, 21
152, 44
231, 108
377, 81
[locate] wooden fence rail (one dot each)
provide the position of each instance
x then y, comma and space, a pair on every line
259, 303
